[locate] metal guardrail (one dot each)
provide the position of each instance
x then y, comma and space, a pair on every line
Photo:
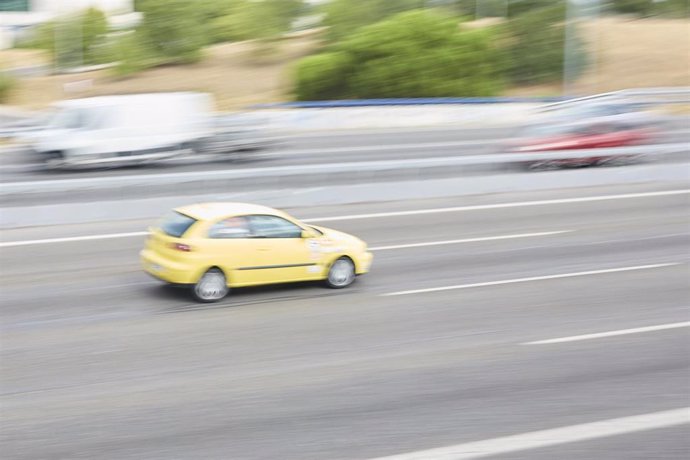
148, 180
684, 92
405, 101
670, 95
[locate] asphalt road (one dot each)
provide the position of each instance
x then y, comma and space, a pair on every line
101, 362
304, 149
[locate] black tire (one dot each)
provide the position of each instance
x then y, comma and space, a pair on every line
341, 274
211, 287
542, 166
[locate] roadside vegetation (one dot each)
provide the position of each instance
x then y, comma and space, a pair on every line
424, 53
73, 41
238, 49
7, 83
412, 54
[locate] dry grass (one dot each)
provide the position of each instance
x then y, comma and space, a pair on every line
17, 58
233, 72
636, 53
627, 54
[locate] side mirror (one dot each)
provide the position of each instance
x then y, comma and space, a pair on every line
309, 234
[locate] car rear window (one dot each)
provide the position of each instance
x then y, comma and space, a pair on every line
176, 224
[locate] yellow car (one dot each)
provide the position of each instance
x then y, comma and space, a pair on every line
214, 246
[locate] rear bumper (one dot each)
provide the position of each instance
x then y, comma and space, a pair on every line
166, 270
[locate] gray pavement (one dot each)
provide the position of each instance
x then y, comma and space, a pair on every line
101, 362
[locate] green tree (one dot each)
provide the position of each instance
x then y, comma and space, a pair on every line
212, 9
643, 8
514, 8
172, 29
535, 47
73, 40
637, 7
255, 19
412, 54
673, 8
343, 17
94, 27
132, 55
518, 7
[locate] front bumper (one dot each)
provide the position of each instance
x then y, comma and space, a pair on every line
363, 262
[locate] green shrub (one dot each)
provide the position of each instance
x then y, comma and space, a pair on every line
324, 76
7, 84
412, 54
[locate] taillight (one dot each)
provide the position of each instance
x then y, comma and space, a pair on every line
181, 247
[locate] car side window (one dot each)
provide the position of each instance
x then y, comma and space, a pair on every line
273, 227
232, 227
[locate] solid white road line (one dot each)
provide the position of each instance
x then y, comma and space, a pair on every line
392, 214
531, 278
518, 204
72, 238
466, 240
551, 437
380, 248
599, 335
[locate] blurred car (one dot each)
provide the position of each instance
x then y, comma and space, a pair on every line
618, 113
578, 136
212, 247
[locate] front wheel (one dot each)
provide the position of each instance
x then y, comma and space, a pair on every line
212, 287
341, 274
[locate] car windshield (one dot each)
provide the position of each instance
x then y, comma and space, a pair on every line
176, 224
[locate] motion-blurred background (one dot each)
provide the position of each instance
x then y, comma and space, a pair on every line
246, 52
518, 168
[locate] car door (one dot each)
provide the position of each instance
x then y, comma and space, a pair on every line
282, 254
229, 245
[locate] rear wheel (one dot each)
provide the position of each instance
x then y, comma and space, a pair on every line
341, 274
543, 166
211, 287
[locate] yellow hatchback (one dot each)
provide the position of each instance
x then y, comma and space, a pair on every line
214, 246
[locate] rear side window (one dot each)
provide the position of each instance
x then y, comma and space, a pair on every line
176, 224
232, 227
273, 227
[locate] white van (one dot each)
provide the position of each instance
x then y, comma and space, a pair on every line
130, 128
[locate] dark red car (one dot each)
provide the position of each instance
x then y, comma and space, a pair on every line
548, 138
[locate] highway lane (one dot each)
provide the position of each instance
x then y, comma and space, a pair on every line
310, 145
101, 361
17, 165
